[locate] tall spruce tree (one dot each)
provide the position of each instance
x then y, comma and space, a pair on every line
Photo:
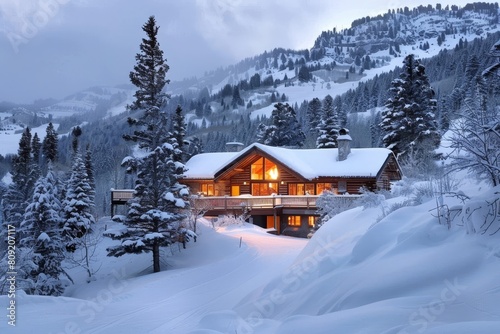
329, 127
49, 144
156, 210
89, 168
78, 205
314, 114
41, 228
408, 121
36, 147
179, 133
285, 129
24, 176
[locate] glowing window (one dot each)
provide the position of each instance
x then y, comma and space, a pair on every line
264, 189
320, 187
300, 188
235, 190
257, 170
207, 189
264, 169
294, 220
271, 170
311, 221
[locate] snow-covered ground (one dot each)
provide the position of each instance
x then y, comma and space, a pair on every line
404, 273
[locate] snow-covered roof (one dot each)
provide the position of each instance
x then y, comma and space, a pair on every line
309, 163
205, 165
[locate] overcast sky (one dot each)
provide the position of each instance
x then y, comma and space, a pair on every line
53, 48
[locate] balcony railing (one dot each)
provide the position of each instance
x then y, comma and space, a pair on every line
263, 202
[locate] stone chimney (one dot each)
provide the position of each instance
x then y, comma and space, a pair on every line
344, 144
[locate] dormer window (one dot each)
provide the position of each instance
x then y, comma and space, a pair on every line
264, 169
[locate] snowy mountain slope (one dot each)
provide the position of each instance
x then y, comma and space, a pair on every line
373, 37
88, 100
334, 52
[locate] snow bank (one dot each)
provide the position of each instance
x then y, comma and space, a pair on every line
404, 274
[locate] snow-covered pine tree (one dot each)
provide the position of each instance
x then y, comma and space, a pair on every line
237, 100
49, 144
36, 147
24, 175
179, 133
314, 114
156, 210
285, 129
76, 132
89, 168
42, 214
78, 206
329, 127
41, 227
408, 121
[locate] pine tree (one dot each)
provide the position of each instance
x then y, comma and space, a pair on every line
78, 205
179, 133
328, 128
314, 113
49, 145
42, 214
304, 74
408, 122
149, 72
89, 168
237, 100
285, 129
47, 279
36, 147
76, 132
24, 175
42, 235
156, 210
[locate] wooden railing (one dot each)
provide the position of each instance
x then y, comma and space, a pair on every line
121, 195
262, 202
230, 203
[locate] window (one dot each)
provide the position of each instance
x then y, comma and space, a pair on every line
311, 221
300, 188
294, 220
320, 187
342, 186
271, 170
264, 189
257, 170
235, 190
264, 169
207, 189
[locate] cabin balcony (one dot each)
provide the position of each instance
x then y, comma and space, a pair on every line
262, 205
292, 215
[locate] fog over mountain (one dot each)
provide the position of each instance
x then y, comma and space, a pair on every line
53, 48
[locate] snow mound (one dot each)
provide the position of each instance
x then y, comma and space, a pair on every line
404, 274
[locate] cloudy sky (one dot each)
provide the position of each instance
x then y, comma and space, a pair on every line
53, 48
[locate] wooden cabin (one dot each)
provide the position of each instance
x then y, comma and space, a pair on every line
279, 186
